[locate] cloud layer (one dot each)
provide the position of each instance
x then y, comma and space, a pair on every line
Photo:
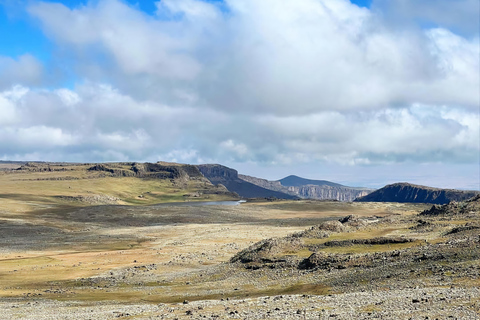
262, 82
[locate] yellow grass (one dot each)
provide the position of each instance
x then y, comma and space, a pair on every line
21, 192
355, 249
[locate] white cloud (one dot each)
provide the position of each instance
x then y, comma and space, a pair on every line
26, 70
68, 97
137, 43
421, 133
260, 82
234, 149
459, 15
288, 57
7, 110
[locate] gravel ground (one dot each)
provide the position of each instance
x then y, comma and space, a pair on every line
122, 262
420, 303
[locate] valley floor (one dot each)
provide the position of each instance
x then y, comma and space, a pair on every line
168, 262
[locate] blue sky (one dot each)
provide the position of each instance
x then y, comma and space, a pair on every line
361, 92
21, 35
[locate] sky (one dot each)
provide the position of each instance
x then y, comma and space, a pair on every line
363, 93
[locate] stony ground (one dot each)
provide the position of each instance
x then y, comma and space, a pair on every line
425, 303
280, 260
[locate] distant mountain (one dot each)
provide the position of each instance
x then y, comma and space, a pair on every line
406, 192
218, 174
267, 184
295, 181
326, 192
310, 189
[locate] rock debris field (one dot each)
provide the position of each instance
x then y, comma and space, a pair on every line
260, 260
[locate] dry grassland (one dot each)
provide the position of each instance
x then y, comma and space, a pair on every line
133, 261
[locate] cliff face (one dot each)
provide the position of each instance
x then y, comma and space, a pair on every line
177, 172
311, 189
329, 192
405, 192
218, 174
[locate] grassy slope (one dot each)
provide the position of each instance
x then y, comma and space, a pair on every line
29, 190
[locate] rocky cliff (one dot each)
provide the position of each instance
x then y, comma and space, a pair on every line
329, 193
406, 192
159, 170
310, 189
218, 174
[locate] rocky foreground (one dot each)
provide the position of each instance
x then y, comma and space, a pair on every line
413, 303
384, 262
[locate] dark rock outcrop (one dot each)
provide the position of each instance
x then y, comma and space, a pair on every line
373, 241
151, 170
406, 192
467, 207
271, 253
100, 167
40, 167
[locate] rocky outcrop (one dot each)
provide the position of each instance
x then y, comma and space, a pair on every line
147, 170
454, 208
40, 167
310, 189
406, 192
218, 174
92, 199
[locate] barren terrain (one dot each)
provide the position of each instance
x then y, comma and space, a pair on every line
64, 258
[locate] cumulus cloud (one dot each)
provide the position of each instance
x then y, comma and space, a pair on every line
98, 117
459, 15
25, 69
423, 133
266, 56
247, 81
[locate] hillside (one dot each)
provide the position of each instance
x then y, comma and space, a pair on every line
310, 189
406, 192
65, 256
218, 174
295, 181
267, 184
105, 183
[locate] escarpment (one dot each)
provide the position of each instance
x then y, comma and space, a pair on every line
406, 192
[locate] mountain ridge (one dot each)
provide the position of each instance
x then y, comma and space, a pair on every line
317, 189
219, 174
407, 192
296, 181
